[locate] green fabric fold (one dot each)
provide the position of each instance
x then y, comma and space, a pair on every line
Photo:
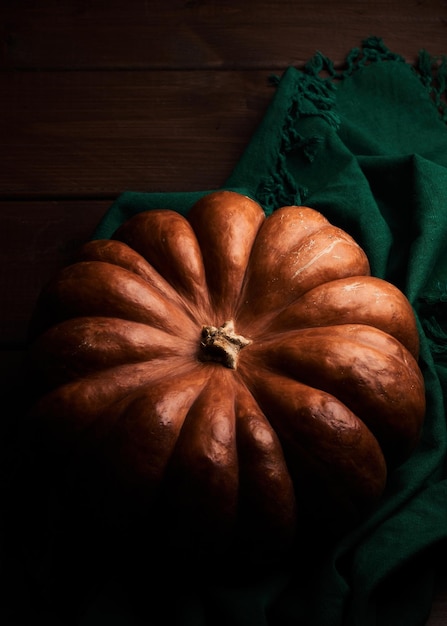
367, 146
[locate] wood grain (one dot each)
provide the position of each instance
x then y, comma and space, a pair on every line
195, 34
97, 133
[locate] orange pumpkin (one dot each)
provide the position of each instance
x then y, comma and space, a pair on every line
238, 371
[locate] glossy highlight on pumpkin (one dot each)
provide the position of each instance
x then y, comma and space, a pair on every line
238, 371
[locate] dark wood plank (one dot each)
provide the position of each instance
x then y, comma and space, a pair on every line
37, 239
209, 34
98, 133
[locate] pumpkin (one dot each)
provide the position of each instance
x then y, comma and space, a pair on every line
241, 372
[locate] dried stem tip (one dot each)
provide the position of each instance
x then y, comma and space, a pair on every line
221, 344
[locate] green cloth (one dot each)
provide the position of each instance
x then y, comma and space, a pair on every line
366, 146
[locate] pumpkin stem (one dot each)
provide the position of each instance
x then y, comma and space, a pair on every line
221, 344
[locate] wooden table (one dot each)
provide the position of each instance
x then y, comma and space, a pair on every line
102, 97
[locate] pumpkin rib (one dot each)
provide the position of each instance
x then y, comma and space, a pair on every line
266, 488
119, 253
138, 439
74, 406
353, 300
81, 346
226, 227
285, 229
121, 456
360, 365
323, 440
203, 481
95, 288
274, 280
167, 241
